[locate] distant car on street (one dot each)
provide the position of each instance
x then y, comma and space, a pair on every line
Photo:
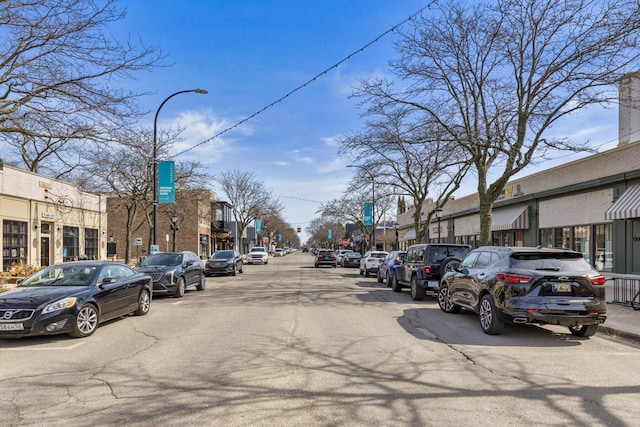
257, 255
370, 261
174, 272
326, 257
224, 262
388, 265
351, 259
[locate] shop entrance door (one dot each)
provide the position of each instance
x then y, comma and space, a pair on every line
635, 246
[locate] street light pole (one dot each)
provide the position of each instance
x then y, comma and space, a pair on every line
155, 160
438, 213
373, 203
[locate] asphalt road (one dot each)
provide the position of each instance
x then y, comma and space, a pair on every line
287, 344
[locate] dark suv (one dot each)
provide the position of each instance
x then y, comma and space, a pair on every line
174, 272
423, 266
526, 285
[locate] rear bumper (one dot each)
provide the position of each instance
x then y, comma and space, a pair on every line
563, 314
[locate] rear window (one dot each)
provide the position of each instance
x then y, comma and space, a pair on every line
552, 261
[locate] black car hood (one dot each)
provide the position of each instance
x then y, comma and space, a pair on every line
32, 297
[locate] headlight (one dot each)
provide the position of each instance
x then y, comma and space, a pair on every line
60, 305
171, 275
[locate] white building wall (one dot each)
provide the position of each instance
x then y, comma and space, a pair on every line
579, 209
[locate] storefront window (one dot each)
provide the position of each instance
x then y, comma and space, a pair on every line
582, 241
91, 243
562, 237
14, 243
604, 245
70, 243
546, 237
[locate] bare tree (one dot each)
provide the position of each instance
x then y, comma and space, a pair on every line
408, 158
496, 75
59, 70
249, 197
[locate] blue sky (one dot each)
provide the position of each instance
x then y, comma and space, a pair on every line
248, 54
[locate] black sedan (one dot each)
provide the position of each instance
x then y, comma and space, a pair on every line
224, 262
526, 285
351, 259
73, 298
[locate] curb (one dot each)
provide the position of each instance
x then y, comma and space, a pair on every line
617, 333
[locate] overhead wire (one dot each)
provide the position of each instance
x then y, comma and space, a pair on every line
307, 83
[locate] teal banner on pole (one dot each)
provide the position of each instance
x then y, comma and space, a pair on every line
330, 234
258, 226
368, 214
166, 182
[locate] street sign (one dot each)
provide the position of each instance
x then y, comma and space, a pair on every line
155, 249
137, 241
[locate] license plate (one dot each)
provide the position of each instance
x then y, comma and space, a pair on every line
561, 287
11, 327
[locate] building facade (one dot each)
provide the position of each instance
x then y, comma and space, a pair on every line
46, 221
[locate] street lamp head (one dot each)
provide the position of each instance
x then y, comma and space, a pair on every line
438, 212
202, 91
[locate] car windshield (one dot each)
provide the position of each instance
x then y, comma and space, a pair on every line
257, 250
552, 261
62, 275
222, 255
353, 255
378, 255
162, 259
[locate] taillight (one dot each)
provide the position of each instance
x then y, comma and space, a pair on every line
426, 269
598, 280
514, 278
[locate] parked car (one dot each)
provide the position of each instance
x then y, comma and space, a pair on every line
73, 298
257, 255
369, 262
424, 265
351, 259
224, 262
389, 264
340, 254
174, 272
279, 252
326, 257
526, 285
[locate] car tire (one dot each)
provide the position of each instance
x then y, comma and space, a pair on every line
395, 286
448, 264
202, 284
366, 272
489, 321
235, 270
241, 268
584, 330
181, 287
389, 276
417, 292
144, 303
444, 301
379, 277
86, 321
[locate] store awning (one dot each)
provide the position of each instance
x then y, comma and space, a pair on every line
410, 234
511, 218
627, 206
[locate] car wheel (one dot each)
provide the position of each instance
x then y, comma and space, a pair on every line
448, 264
417, 292
241, 268
235, 270
180, 287
361, 272
395, 286
86, 321
489, 321
335, 265
366, 272
390, 274
203, 283
144, 303
444, 301
584, 330
379, 276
